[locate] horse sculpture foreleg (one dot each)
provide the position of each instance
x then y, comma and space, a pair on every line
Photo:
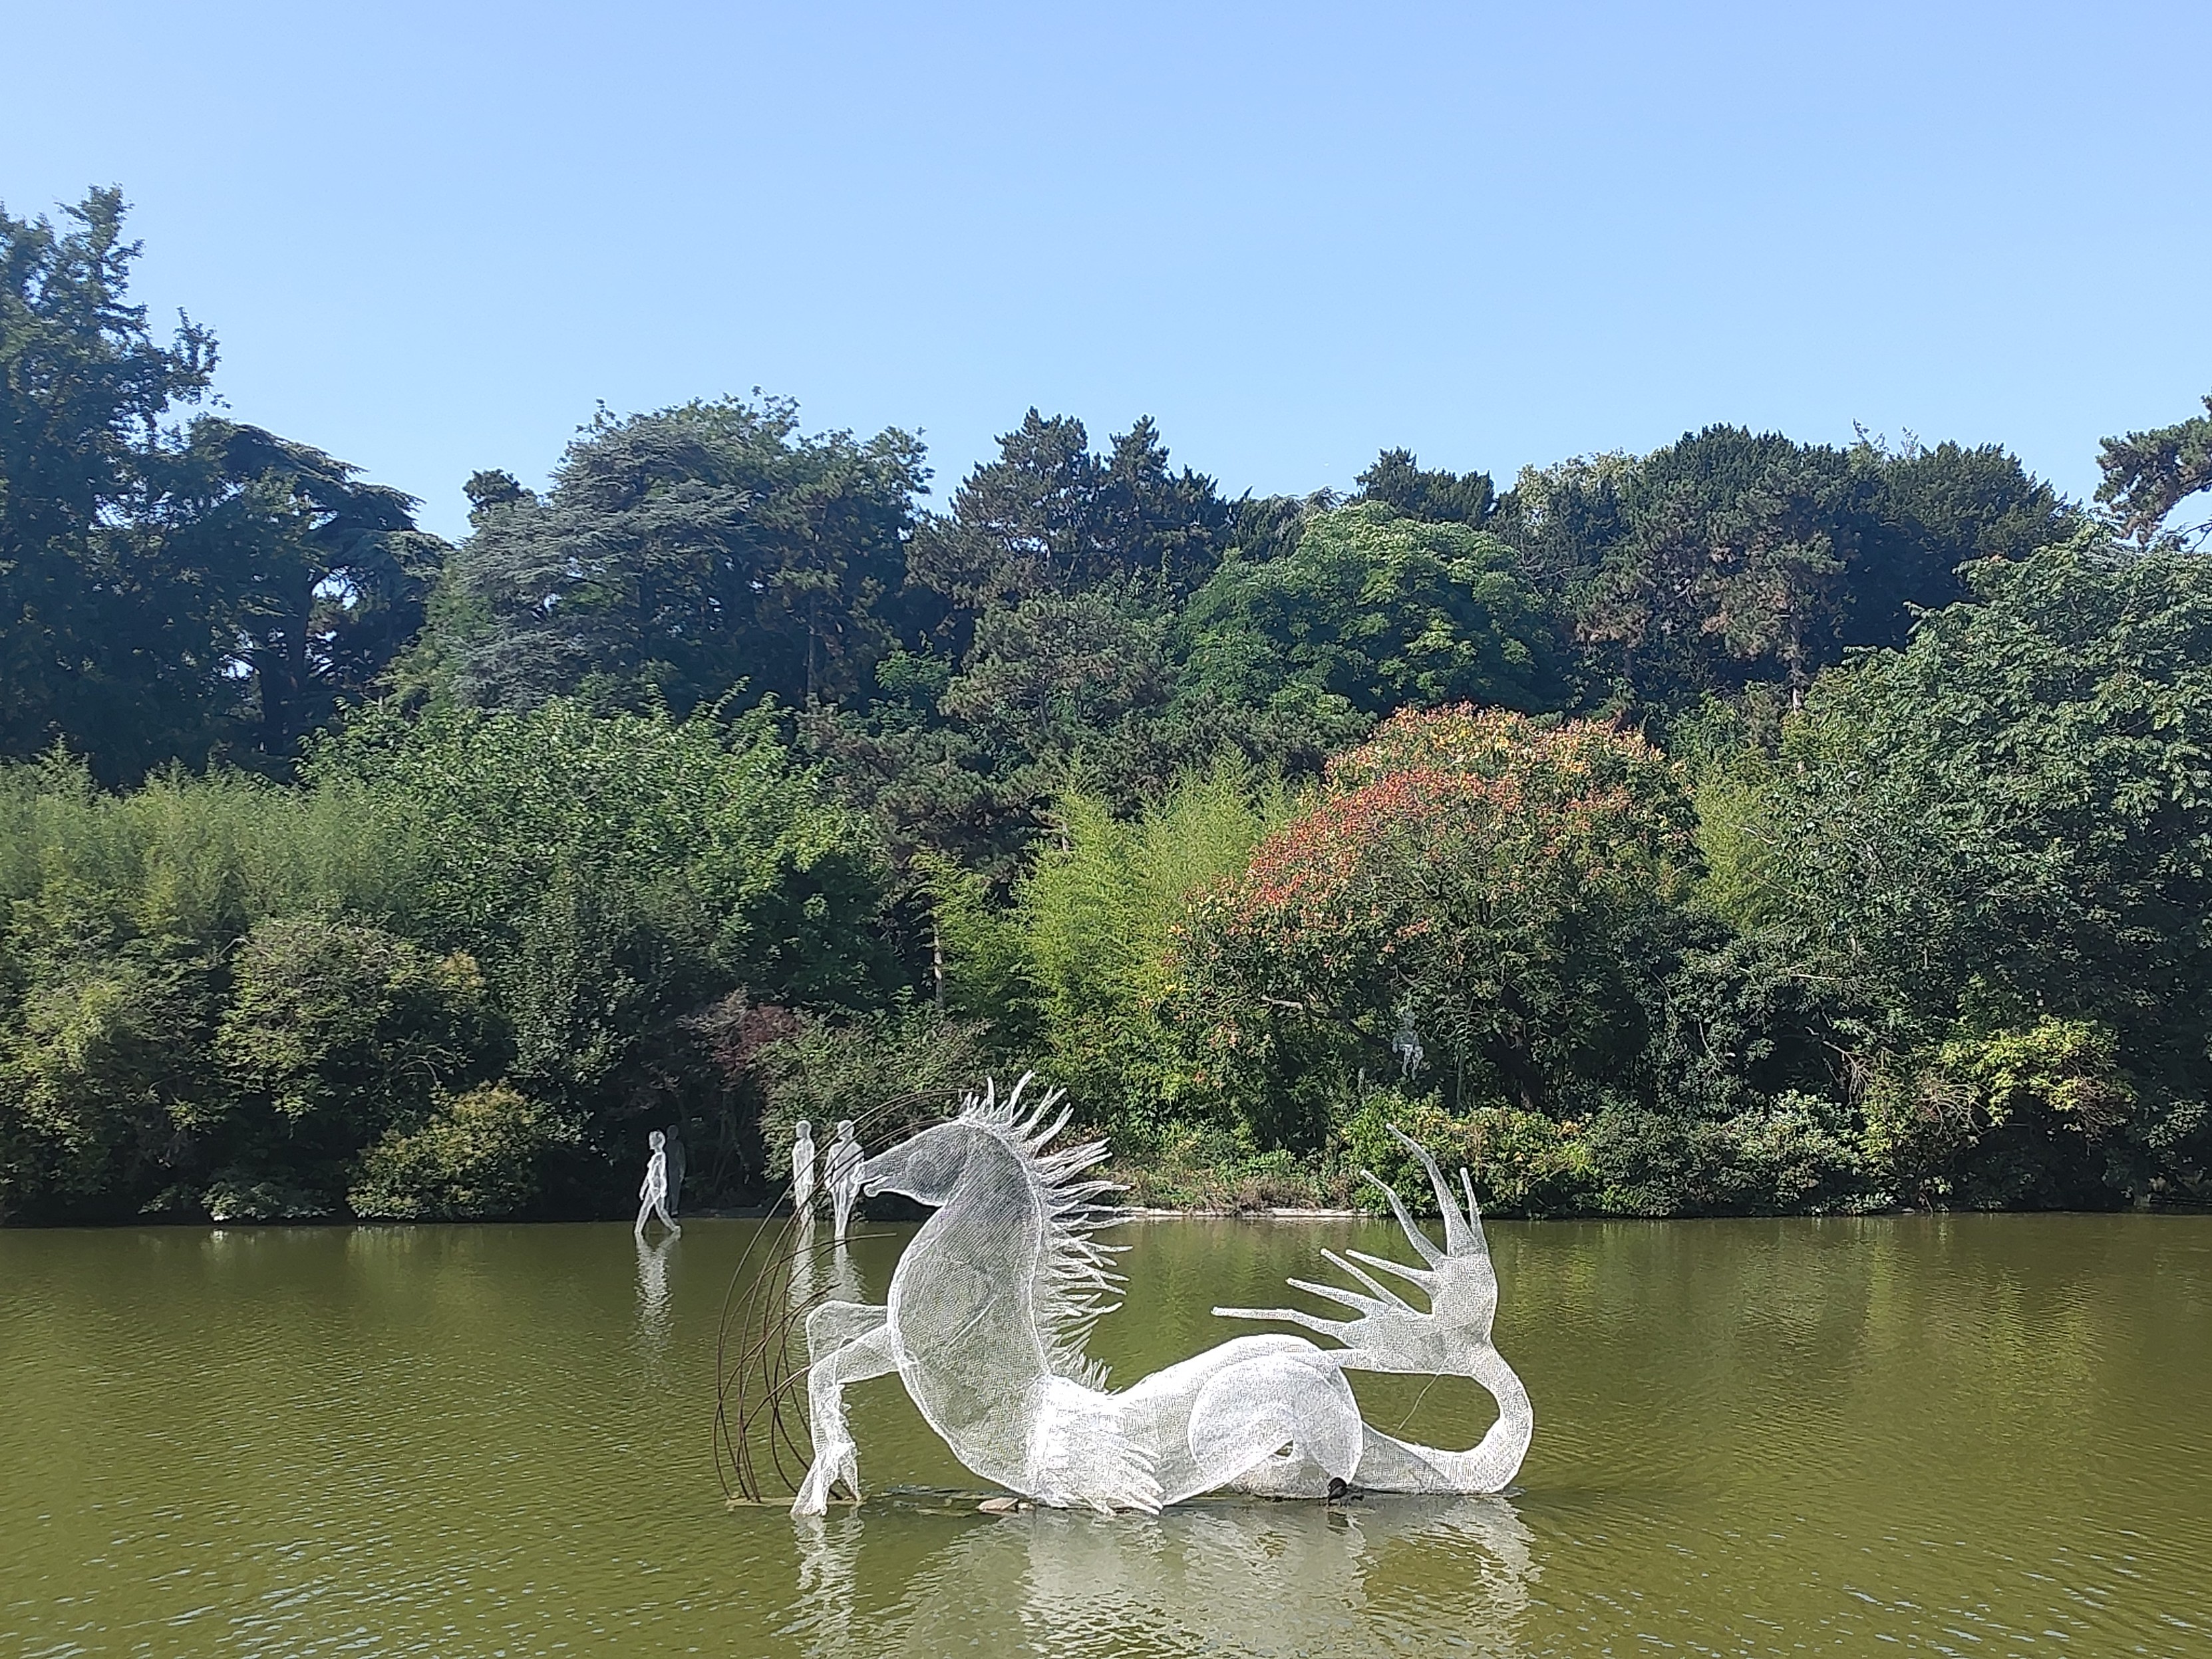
846, 1342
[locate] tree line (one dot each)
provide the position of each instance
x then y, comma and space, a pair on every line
1746, 826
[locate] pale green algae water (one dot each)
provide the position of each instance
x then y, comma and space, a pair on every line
1970, 1434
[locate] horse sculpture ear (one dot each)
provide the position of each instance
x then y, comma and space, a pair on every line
1463, 1233
1473, 1213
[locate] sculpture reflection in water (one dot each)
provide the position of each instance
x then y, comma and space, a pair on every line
840, 1168
652, 1279
652, 1309
991, 1302
816, 1278
1349, 1581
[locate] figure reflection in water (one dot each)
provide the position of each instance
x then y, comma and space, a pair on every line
807, 1285
1381, 1575
841, 1168
652, 1196
652, 1285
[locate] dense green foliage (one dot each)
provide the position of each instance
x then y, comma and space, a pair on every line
1996, 846
224, 995
1370, 611
1732, 559
1081, 964
1474, 878
1750, 825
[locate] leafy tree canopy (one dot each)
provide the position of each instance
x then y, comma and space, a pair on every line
1195, 802
1043, 654
86, 608
1377, 610
2148, 474
1397, 480
560, 830
1049, 515
2005, 825
1470, 872
2015, 809
1732, 558
680, 556
167, 594
324, 579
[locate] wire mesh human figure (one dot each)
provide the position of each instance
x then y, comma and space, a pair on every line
652, 1196
802, 1170
843, 1168
1406, 1046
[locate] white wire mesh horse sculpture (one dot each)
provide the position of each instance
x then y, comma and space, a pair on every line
991, 1300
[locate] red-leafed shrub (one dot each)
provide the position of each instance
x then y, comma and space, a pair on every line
1484, 880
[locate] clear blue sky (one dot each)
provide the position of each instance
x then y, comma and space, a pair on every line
430, 237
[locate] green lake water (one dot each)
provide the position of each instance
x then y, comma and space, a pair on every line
1970, 1435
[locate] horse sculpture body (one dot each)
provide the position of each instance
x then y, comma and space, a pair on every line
991, 1302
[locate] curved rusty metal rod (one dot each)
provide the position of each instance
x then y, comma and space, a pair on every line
762, 1339
769, 1355
779, 1377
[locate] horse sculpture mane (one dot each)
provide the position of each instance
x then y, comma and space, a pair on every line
1073, 1283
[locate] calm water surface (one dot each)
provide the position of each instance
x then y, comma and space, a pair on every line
1983, 1435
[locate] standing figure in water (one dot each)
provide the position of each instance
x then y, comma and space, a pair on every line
802, 1172
843, 1168
673, 1146
652, 1196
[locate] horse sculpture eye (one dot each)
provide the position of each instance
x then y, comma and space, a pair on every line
1006, 1279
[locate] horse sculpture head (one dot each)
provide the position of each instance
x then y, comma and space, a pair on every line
923, 1167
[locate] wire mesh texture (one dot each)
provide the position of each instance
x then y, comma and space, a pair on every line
988, 1313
